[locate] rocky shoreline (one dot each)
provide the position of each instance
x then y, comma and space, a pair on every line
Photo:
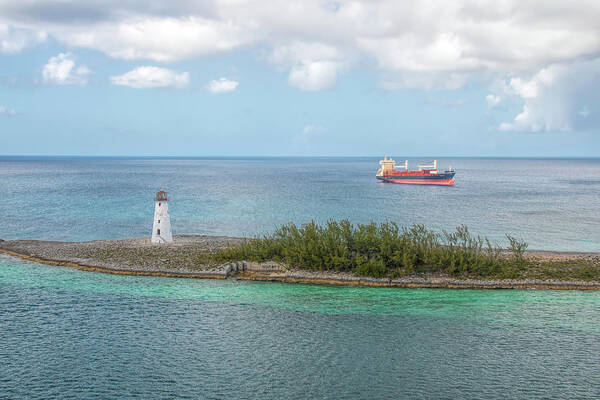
137, 256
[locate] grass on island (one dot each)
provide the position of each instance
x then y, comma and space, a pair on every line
388, 250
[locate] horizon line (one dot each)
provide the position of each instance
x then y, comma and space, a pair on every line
291, 156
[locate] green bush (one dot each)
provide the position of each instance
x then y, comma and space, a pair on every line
386, 249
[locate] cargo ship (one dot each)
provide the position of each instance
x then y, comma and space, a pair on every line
424, 175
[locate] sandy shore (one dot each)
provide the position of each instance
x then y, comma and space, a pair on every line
137, 256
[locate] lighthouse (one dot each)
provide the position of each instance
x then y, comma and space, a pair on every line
161, 230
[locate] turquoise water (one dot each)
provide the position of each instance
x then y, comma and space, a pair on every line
72, 334
552, 204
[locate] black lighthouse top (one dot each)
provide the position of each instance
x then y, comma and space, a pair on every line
161, 196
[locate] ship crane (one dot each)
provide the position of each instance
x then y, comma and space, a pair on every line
428, 167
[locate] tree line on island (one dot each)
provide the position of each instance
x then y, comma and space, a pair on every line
389, 250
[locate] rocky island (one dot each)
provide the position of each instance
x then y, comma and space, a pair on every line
138, 256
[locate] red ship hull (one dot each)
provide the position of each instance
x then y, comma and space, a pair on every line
441, 182
426, 177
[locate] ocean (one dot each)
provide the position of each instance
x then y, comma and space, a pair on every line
551, 204
69, 334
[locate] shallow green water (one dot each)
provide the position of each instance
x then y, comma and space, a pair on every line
68, 333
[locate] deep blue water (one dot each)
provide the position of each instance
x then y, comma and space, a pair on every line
552, 204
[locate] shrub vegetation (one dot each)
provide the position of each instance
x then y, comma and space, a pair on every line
388, 250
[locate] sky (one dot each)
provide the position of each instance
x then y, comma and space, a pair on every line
314, 77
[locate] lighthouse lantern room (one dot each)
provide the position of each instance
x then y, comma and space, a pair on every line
161, 230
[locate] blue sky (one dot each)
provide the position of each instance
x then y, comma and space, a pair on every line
309, 78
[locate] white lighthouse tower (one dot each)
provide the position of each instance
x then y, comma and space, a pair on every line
161, 230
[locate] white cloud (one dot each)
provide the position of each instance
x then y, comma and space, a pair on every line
556, 98
61, 70
314, 76
529, 121
222, 85
419, 37
535, 47
160, 39
313, 66
152, 77
13, 40
492, 100
529, 89
7, 111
